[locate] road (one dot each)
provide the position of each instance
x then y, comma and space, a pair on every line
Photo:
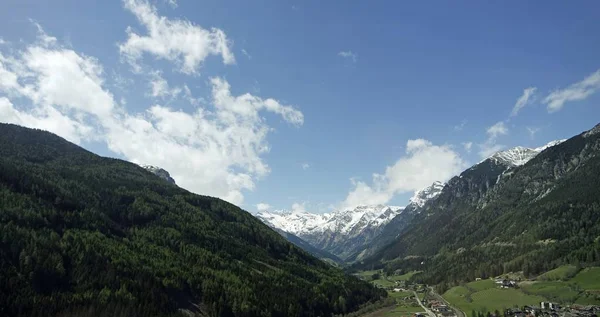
429, 312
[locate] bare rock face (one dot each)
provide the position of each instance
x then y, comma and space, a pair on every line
159, 172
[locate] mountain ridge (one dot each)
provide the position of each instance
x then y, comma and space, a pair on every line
85, 235
337, 232
489, 219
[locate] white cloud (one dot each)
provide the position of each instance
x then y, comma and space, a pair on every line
172, 3
488, 149
46, 118
263, 206
526, 98
216, 150
490, 145
532, 131
468, 146
299, 207
422, 164
246, 53
305, 166
349, 55
159, 87
577, 91
179, 41
497, 129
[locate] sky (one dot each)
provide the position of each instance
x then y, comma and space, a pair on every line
302, 105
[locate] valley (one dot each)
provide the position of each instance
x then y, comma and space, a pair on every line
574, 292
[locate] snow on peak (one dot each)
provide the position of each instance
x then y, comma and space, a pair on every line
341, 221
422, 196
519, 155
159, 172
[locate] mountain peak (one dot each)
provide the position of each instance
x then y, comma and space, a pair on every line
422, 196
520, 155
159, 172
592, 131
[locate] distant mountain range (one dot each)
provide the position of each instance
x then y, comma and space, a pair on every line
340, 233
362, 233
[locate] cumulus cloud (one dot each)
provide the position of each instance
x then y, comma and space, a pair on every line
263, 207
216, 150
305, 166
526, 98
349, 55
179, 41
422, 164
575, 92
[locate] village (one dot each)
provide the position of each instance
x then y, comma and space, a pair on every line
419, 300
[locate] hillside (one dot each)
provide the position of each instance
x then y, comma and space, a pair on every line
321, 254
497, 217
83, 235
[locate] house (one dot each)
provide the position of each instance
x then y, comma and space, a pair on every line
550, 306
507, 284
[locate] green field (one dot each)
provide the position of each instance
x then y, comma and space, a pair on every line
562, 273
400, 294
403, 311
488, 299
403, 277
481, 285
588, 279
383, 282
556, 291
367, 275
553, 285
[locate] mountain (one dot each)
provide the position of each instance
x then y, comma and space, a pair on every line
340, 233
159, 172
426, 194
321, 254
519, 210
84, 235
399, 223
519, 155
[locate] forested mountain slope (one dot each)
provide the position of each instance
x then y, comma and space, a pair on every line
299, 242
495, 218
83, 235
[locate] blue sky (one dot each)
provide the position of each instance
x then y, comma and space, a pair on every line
307, 105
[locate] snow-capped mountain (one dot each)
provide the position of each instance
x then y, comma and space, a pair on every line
159, 172
422, 196
519, 155
339, 232
344, 221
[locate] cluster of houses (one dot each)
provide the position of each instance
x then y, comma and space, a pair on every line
547, 309
441, 309
505, 283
